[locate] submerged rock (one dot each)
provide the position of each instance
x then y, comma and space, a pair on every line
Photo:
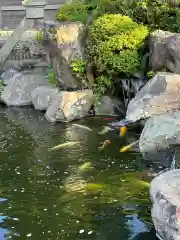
18, 91
159, 95
68, 106
42, 97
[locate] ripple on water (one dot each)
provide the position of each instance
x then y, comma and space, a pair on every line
44, 191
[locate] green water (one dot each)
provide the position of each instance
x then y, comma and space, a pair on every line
44, 196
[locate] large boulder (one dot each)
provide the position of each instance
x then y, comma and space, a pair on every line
18, 91
165, 195
160, 137
164, 51
68, 45
68, 106
42, 97
159, 95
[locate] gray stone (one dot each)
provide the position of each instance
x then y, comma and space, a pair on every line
69, 106
159, 95
35, 9
37, 49
18, 91
164, 51
165, 195
110, 106
7, 76
160, 137
69, 45
42, 97
12, 64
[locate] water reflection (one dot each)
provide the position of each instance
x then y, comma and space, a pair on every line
44, 196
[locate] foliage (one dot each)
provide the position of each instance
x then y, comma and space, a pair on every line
114, 43
82, 10
161, 14
39, 36
1, 86
100, 87
73, 11
150, 74
78, 69
100, 7
51, 76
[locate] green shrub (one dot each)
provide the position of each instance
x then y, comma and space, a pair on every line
73, 11
82, 10
78, 69
161, 14
100, 7
51, 77
100, 87
39, 36
150, 74
1, 86
114, 43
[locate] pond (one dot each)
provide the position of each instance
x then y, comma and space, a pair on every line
45, 196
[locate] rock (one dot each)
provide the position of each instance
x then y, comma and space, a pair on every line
42, 97
37, 49
160, 132
164, 51
70, 38
8, 75
12, 64
18, 91
68, 106
110, 106
69, 45
160, 136
165, 195
159, 95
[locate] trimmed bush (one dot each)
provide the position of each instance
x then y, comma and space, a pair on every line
157, 14
114, 43
73, 11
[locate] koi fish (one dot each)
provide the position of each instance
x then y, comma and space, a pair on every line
82, 127
105, 130
128, 147
105, 143
63, 145
85, 166
122, 131
108, 119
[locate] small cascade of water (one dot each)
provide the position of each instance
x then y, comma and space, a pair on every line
127, 89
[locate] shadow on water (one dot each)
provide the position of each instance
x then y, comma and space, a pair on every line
45, 196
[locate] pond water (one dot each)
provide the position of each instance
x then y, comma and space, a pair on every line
45, 196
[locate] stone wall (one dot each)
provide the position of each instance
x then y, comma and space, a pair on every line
12, 12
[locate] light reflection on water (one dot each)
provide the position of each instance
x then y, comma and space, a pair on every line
43, 196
